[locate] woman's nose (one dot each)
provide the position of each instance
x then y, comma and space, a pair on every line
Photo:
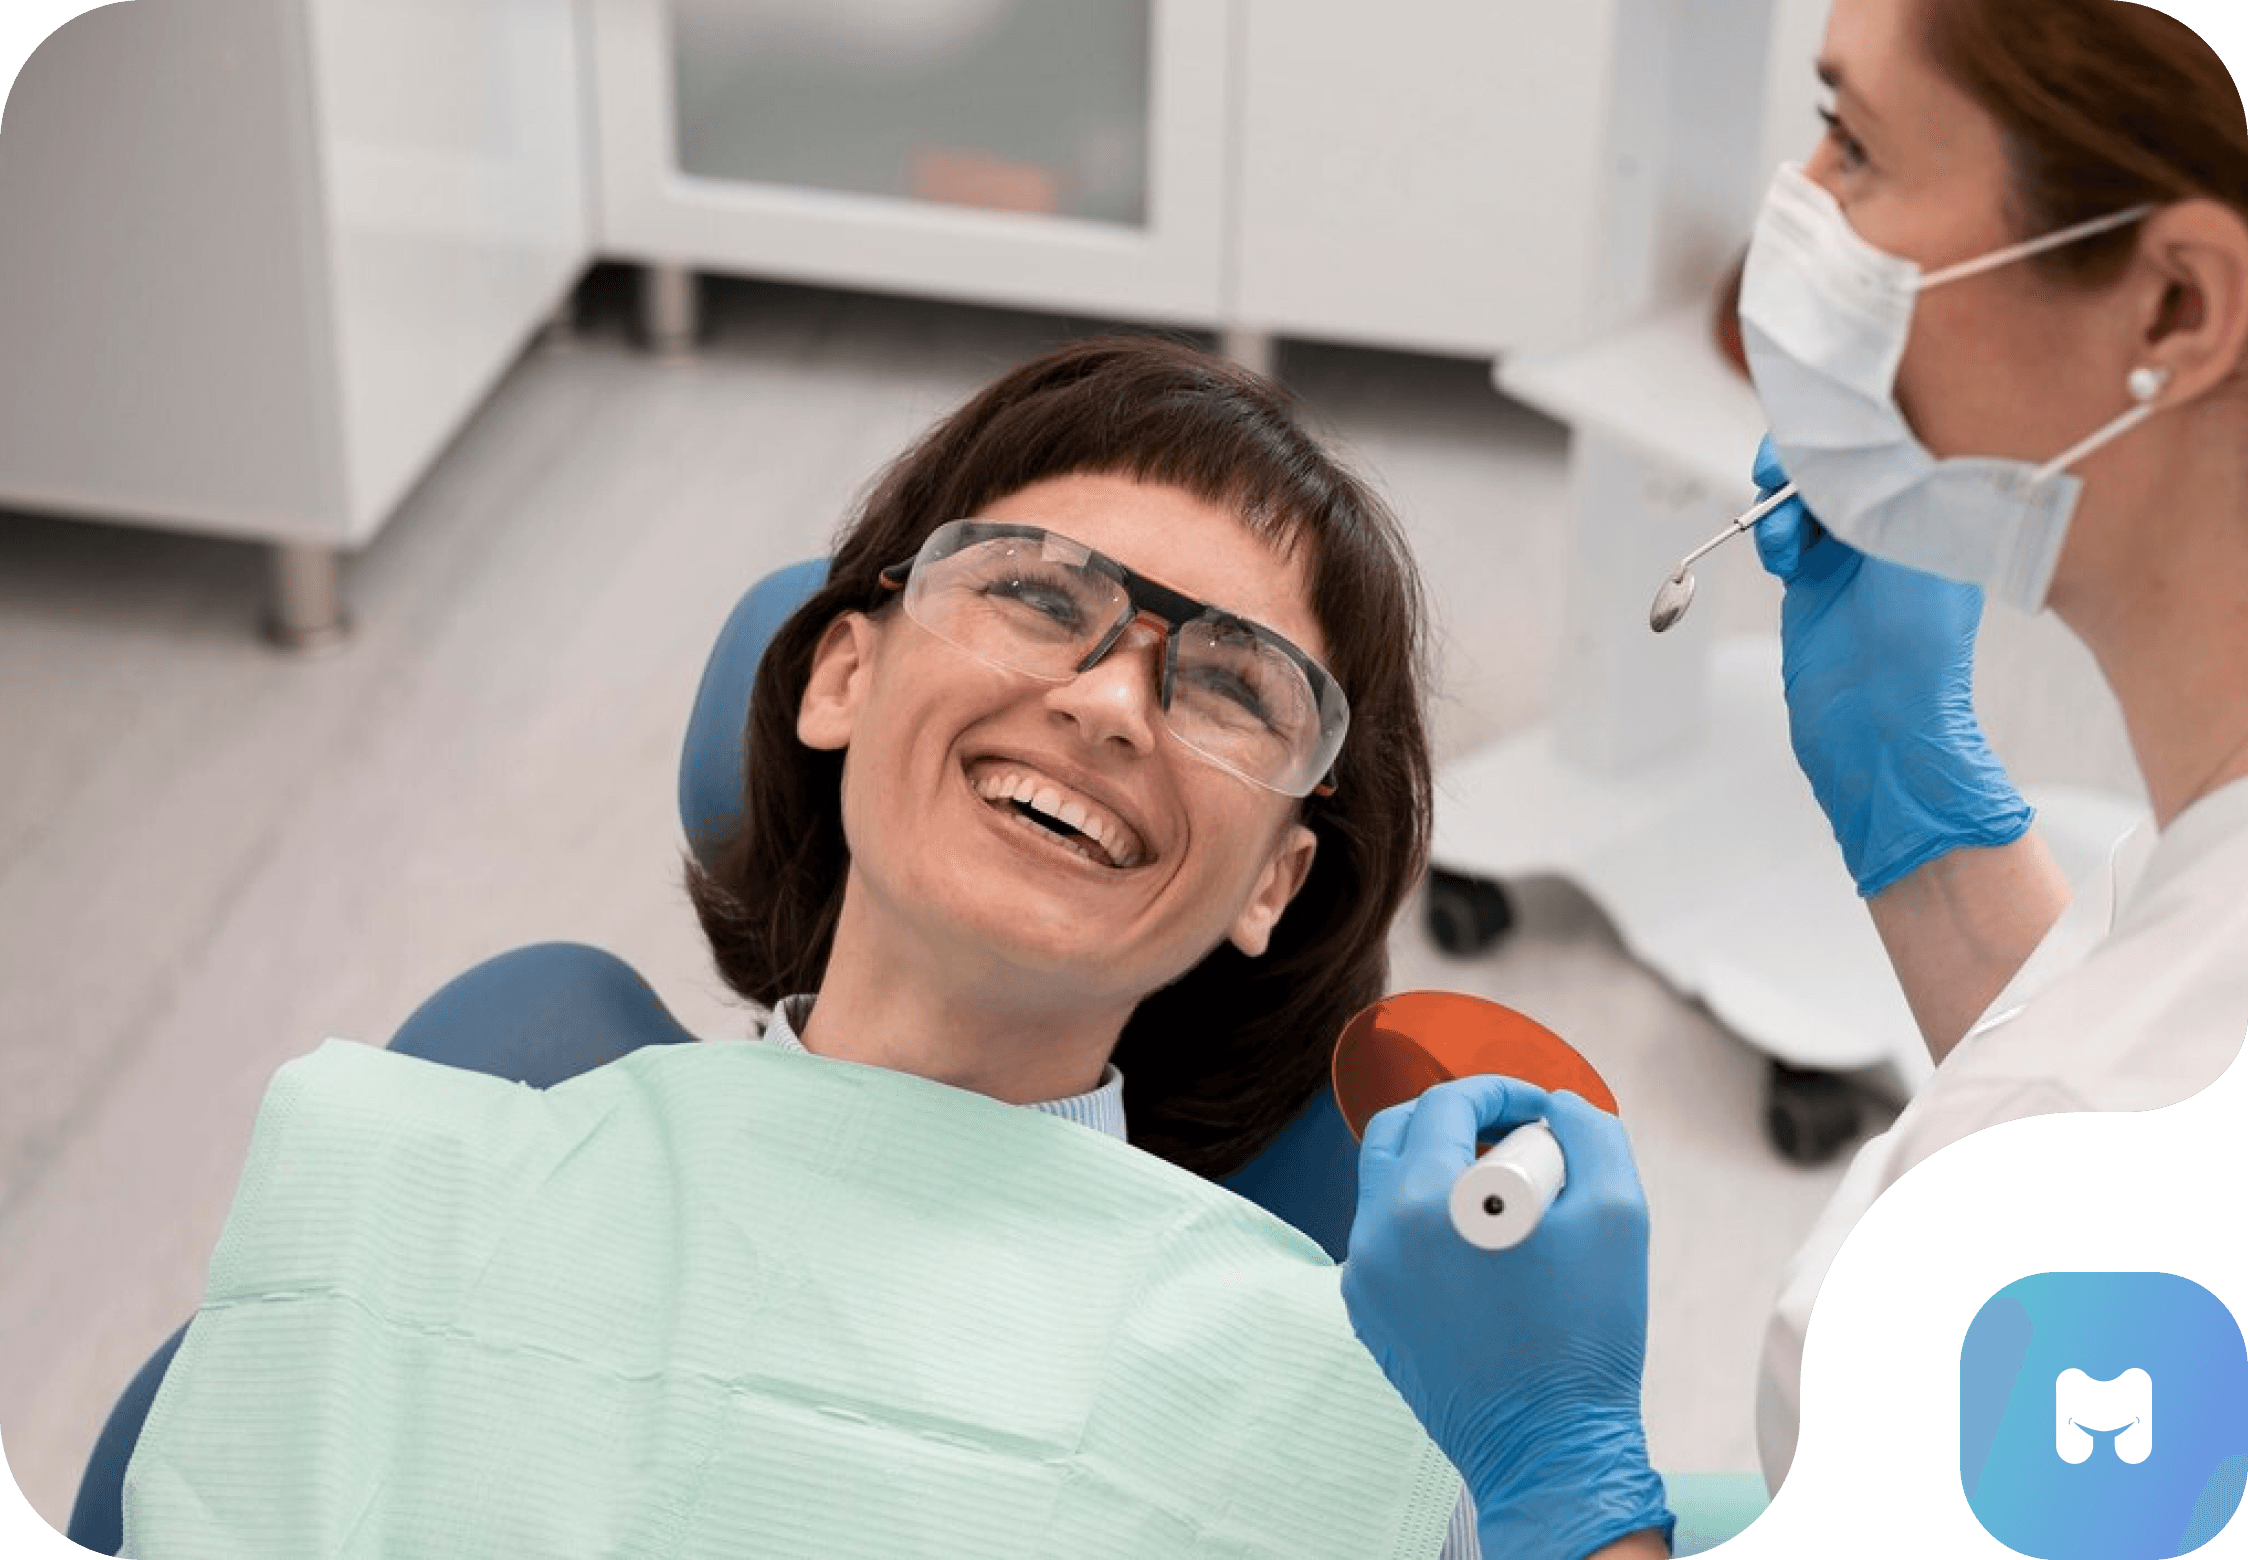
1120, 696
1824, 167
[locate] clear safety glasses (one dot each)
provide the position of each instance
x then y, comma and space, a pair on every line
1027, 600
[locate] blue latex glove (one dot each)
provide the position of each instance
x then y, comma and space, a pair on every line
1879, 666
1523, 1365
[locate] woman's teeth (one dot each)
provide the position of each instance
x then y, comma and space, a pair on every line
1068, 817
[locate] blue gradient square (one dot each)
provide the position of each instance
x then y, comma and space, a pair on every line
2119, 1485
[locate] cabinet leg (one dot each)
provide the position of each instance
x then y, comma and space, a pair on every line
670, 310
307, 612
560, 332
1258, 351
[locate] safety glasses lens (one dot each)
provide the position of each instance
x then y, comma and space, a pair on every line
1241, 700
1020, 603
1033, 602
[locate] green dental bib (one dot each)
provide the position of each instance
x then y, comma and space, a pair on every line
723, 1300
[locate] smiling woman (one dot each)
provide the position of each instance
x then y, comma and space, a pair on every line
1081, 797
876, 867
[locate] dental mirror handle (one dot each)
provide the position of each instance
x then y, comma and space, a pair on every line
1498, 1202
1763, 508
1676, 593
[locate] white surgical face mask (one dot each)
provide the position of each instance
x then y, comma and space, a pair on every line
1825, 317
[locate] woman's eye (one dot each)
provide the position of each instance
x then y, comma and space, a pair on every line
1847, 147
1238, 696
1043, 597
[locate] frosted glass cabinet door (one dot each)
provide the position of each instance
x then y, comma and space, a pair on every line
1049, 153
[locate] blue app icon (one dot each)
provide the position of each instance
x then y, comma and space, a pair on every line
2103, 1416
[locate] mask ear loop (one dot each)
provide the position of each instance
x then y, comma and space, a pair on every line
2146, 385
2037, 246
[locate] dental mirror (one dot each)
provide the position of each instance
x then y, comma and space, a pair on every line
1404, 1045
1672, 598
1676, 593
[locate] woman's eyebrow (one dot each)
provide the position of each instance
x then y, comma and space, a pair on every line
1831, 77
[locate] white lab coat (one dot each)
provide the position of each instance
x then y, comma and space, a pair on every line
2137, 998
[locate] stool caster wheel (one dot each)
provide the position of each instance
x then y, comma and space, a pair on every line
1466, 914
1809, 1115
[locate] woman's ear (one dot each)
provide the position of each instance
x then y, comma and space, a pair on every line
842, 662
2195, 323
1284, 873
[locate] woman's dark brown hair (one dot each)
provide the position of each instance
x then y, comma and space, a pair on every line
1217, 1064
2105, 105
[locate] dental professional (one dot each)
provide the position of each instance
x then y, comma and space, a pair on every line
1998, 325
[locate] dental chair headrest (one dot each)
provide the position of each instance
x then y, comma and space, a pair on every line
711, 760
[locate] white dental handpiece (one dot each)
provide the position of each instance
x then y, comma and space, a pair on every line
1498, 1201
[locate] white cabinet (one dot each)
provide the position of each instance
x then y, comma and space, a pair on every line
1059, 154
1426, 174
259, 259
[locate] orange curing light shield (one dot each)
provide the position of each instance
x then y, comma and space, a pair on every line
1404, 1045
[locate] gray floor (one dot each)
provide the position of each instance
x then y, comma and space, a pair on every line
211, 855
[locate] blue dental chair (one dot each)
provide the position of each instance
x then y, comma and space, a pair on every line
541, 1014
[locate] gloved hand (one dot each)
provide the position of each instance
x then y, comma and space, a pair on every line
1878, 662
1523, 1365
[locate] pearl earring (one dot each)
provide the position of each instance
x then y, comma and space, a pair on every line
2147, 382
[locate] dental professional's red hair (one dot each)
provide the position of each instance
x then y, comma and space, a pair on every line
2104, 105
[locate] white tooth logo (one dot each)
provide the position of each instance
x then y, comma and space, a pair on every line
2084, 1408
